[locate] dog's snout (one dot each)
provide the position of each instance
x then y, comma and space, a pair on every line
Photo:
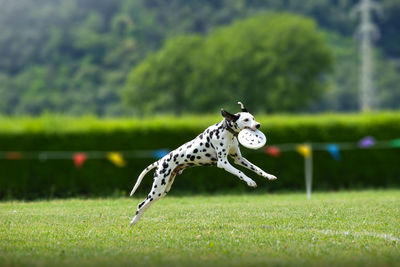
258, 125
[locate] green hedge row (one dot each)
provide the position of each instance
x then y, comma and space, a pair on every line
28, 179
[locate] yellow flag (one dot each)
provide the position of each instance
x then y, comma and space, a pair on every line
304, 150
116, 158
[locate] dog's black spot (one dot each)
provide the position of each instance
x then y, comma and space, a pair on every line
225, 162
192, 158
213, 159
151, 199
208, 155
198, 157
204, 150
169, 171
155, 186
137, 212
195, 150
163, 182
201, 144
153, 192
221, 144
201, 136
207, 145
188, 155
223, 150
182, 155
159, 194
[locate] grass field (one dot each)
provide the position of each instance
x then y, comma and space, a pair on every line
336, 229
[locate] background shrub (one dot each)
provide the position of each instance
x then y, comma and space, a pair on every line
41, 178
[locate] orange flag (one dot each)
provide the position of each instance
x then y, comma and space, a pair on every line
273, 151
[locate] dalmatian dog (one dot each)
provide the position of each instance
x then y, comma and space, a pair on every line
211, 147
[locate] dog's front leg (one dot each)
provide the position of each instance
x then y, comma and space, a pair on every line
223, 163
240, 160
246, 163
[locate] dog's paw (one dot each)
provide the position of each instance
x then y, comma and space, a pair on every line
251, 183
269, 176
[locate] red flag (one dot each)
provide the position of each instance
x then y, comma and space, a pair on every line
273, 151
79, 159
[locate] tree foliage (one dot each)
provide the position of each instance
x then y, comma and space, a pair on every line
73, 56
276, 62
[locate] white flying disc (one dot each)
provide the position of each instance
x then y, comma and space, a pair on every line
252, 139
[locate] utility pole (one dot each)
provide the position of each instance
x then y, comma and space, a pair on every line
366, 32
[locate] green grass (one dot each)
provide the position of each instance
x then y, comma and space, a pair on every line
346, 228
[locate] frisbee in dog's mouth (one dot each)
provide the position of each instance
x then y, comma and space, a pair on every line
252, 139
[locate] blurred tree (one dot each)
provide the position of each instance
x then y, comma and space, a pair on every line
62, 38
276, 62
161, 82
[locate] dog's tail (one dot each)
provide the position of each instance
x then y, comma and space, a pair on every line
144, 172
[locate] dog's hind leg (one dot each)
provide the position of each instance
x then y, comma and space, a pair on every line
161, 186
156, 193
170, 182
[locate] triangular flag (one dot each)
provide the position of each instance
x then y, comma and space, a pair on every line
334, 151
158, 154
273, 151
79, 159
304, 150
116, 158
395, 143
366, 142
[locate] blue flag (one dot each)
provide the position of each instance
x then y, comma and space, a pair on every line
334, 151
158, 154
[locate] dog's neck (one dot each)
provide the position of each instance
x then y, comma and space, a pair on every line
227, 125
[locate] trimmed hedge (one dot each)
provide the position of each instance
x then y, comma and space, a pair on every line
28, 179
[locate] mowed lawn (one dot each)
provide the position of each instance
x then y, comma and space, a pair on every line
335, 229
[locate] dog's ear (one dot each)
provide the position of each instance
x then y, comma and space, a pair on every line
229, 116
242, 107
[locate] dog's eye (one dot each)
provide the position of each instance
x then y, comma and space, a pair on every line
246, 120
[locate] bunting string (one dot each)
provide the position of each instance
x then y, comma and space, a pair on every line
118, 158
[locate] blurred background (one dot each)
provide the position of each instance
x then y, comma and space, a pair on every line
80, 79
